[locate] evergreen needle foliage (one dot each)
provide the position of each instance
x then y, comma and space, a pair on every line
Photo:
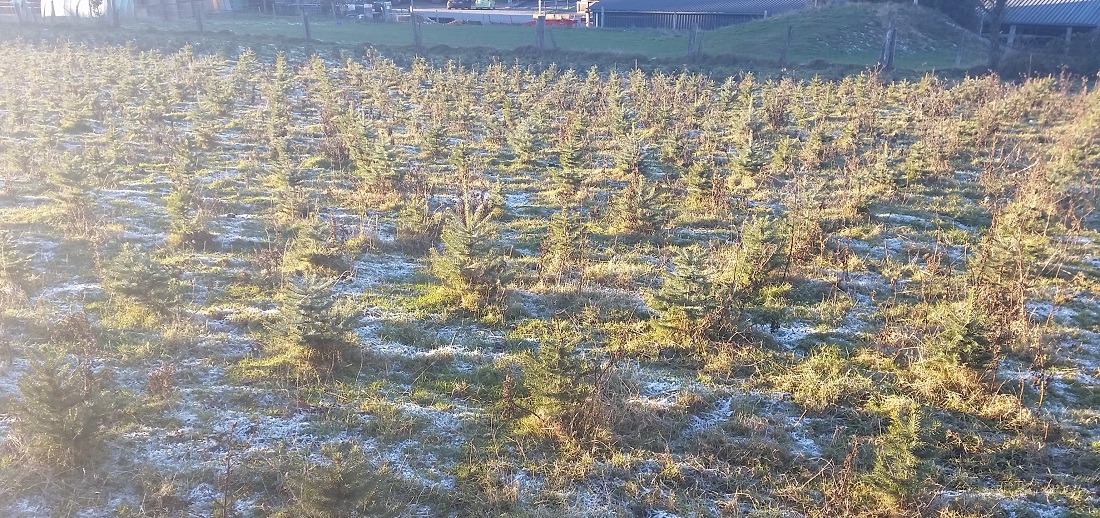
567, 176
72, 186
141, 276
564, 249
15, 265
639, 207
632, 153
469, 264
313, 331
343, 485
567, 388
895, 478
64, 410
418, 226
686, 296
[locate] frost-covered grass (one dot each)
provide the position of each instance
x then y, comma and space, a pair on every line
913, 332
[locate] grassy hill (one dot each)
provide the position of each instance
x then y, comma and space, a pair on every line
853, 34
843, 35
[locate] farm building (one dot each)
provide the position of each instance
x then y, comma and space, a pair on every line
683, 14
1038, 21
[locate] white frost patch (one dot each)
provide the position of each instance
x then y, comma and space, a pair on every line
804, 444
902, 219
369, 337
464, 359
213, 176
660, 393
261, 431
133, 197
1088, 353
402, 464
194, 447
790, 334
661, 387
719, 415
865, 281
1076, 240
894, 245
29, 507
372, 270
1044, 311
515, 200
439, 419
659, 513
526, 483
5, 428
9, 378
71, 290
203, 496
29, 201
1021, 508
238, 229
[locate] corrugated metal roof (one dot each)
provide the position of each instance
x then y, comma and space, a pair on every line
749, 7
1063, 13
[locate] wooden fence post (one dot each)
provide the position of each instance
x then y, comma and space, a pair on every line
786, 47
540, 31
693, 36
200, 12
886, 59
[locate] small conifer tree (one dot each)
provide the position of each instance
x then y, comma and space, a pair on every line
188, 221
64, 410
632, 152
895, 478
567, 389
15, 265
639, 208
469, 263
564, 247
964, 338
313, 330
382, 174
567, 177
699, 182
72, 187
525, 141
433, 140
686, 296
418, 226
140, 276
343, 485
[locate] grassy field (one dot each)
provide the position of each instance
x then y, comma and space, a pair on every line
846, 35
853, 34
262, 282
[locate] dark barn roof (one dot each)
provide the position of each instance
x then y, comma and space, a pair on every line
1062, 13
741, 7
